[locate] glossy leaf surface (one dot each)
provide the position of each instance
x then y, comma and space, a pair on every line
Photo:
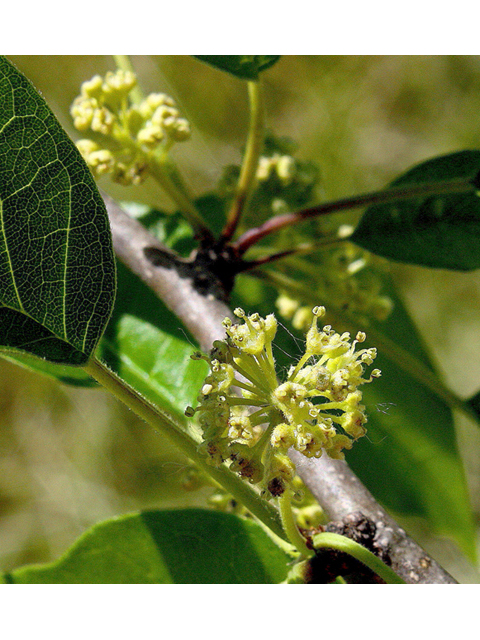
245, 67
437, 231
187, 546
57, 272
147, 346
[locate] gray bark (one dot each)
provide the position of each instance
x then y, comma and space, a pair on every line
332, 482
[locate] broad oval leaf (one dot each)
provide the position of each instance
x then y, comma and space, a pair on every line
144, 342
57, 270
410, 459
245, 67
437, 231
185, 546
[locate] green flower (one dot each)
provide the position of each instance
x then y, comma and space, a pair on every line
250, 419
125, 135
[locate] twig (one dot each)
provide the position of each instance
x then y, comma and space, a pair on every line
395, 194
250, 159
201, 315
299, 250
332, 482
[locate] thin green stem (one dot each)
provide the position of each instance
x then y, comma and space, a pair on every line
299, 365
259, 417
248, 372
247, 402
268, 369
161, 421
357, 551
250, 159
247, 387
159, 171
125, 64
404, 359
290, 526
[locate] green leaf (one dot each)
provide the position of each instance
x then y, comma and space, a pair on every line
172, 229
245, 67
147, 346
437, 231
409, 459
474, 403
187, 546
57, 272
74, 376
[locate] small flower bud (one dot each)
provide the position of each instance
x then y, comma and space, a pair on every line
181, 131
285, 167
287, 306
101, 161
92, 88
302, 319
283, 436
118, 84
82, 112
264, 169
102, 121
86, 147
150, 135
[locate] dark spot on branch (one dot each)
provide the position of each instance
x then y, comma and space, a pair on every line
211, 268
328, 564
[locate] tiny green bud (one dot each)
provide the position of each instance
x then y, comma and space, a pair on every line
264, 169
285, 167
102, 121
150, 135
101, 161
86, 147
287, 306
92, 88
82, 112
118, 84
302, 318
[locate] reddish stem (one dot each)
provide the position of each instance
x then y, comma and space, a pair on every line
252, 236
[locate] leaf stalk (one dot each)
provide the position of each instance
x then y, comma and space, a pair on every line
164, 423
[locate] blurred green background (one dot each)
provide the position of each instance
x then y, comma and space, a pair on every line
70, 457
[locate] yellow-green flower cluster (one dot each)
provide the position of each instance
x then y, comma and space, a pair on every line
348, 276
251, 419
283, 166
125, 134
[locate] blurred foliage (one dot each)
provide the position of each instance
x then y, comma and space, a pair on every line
71, 457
